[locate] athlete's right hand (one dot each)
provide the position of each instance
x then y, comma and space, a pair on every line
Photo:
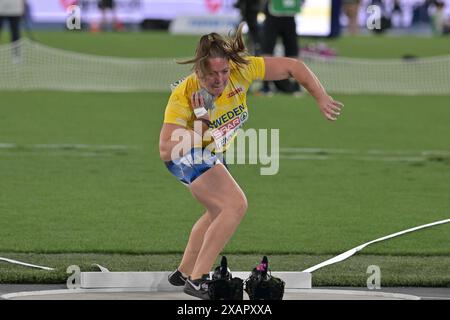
198, 104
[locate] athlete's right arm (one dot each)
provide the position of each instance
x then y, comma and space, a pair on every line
175, 141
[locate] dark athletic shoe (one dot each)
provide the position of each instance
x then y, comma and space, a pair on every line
176, 278
198, 288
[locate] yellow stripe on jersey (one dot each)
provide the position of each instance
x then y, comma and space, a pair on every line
231, 110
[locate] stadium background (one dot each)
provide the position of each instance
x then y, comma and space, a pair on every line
82, 183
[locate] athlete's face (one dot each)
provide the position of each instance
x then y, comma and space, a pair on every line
216, 79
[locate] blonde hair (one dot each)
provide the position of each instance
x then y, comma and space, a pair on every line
214, 45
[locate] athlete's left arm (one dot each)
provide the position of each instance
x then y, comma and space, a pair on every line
280, 68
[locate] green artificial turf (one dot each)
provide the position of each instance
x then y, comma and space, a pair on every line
80, 176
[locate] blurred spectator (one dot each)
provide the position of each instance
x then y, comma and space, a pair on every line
249, 12
351, 8
12, 11
437, 18
280, 22
397, 13
107, 7
440, 19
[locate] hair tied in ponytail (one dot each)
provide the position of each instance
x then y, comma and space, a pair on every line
214, 45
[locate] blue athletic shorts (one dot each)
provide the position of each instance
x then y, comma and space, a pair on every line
194, 164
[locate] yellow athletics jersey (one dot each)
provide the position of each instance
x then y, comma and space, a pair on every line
230, 112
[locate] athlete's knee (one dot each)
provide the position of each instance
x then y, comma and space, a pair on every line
238, 206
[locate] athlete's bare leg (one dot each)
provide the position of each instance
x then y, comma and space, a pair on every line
195, 242
218, 192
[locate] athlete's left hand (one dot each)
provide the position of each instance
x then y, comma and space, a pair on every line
330, 108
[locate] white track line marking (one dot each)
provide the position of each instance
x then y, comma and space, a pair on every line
372, 152
300, 154
351, 252
24, 264
51, 146
365, 295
